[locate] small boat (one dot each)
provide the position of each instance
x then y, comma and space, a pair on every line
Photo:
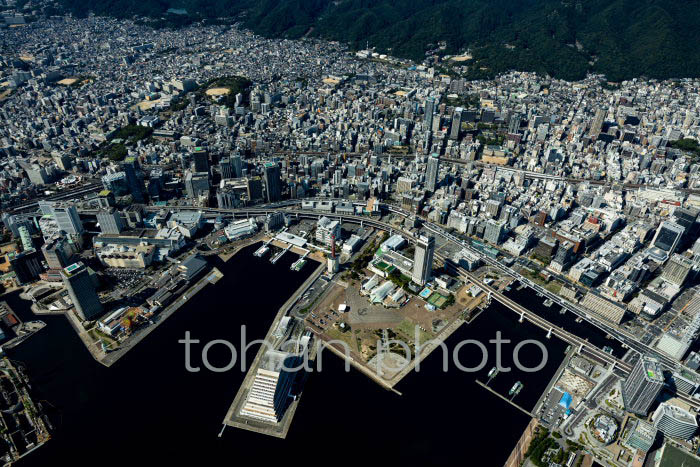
493, 372
515, 389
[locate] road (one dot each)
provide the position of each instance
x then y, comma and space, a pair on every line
624, 337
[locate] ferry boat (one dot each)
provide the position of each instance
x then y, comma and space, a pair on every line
262, 251
515, 389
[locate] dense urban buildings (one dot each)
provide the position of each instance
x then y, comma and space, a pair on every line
131, 156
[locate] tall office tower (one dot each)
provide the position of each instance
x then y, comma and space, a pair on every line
67, 218
13, 223
675, 421
456, 123
598, 120
429, 110
226, 167
81, 289
269, 395
237, 163
57, 253
431, 176
131, 168
226, 198
106, 199
273, 184
110, 221
514, 123
200, 160
687, 218
196, 184
494, 231
667, 237
423, 260
254, 188
643, 385
26, 237
26, 265
117, 183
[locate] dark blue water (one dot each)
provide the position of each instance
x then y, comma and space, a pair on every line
566, 321
147, 408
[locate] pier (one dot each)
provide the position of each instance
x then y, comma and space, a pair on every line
264, 248
505, 399
280, 254
298, 264
233, 417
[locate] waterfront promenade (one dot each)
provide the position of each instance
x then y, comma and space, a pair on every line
110, 357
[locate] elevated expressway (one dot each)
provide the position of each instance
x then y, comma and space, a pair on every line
584, 346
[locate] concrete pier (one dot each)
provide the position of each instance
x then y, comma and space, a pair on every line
504, 398
109, 358
233, 417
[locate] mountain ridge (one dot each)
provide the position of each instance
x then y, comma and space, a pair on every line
566, 39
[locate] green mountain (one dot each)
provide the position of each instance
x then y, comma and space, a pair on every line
565, 38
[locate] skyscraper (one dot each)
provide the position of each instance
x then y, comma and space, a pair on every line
687, 218
273, 184
514, 123
494, 231
431, 176
200, 160
226, 168
598, 121
456, 123
110, 221
667, 237
237, 165
255, 191
196, 184
643, 385
26, 265
81, 289
131, 168
429, 110
423, 260
68, 219
57, 252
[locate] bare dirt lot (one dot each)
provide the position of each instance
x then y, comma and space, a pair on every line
217, 91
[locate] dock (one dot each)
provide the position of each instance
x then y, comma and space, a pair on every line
233, 417
21, 330
264, 248
505, 399
109, 357
280, 255
298, 264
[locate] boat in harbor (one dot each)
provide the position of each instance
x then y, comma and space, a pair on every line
517, 387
